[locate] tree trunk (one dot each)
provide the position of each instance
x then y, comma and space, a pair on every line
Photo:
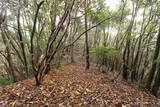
86, 37
22, 43
156, 84
9, 58
154, 63
125, 67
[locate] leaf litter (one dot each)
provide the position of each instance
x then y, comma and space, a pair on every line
72, 86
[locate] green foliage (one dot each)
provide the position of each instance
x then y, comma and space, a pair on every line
5, 80
151, 28
28, 27
105, 52
143, 3
99, 15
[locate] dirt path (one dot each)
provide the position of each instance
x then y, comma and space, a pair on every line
72, 86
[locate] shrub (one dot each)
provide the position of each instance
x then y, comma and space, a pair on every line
104, 56
5, 80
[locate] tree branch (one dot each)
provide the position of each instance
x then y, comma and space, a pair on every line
33, 32
87, 31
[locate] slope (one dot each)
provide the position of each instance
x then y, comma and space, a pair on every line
72, 86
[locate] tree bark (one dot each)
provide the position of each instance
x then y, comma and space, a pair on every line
86, 37
22, 43
156, 84
154, 63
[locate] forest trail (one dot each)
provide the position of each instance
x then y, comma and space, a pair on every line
72, 86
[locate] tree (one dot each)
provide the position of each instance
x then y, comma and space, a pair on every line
86, 36
154, 64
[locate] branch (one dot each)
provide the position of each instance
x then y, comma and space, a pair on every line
34, 26
56, 31
87, 31
33, 31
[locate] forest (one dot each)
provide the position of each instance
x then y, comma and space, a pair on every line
79, 53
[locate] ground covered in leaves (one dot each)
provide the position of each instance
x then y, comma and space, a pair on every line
72, 86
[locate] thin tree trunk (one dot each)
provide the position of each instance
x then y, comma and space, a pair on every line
86, 37
156, 84
154, 63
9, 59
22, 43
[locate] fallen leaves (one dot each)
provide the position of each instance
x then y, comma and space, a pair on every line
72, 86
13, 103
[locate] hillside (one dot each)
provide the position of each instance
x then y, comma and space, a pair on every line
72, 86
